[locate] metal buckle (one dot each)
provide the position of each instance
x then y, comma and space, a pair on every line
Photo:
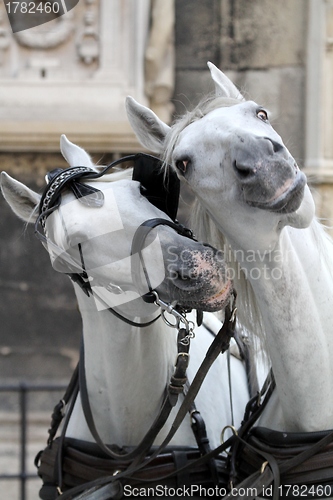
263, 467
179, 317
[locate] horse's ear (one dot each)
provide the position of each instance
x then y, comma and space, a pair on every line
22, 200
149, 129
74, 155
223, 85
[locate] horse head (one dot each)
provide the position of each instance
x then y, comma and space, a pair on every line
228, 153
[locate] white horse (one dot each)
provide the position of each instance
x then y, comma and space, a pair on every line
253, 201
127, 367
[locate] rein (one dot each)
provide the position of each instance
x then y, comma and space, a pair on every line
173, 389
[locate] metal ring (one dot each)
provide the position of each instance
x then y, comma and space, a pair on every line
185, 341
232, 428
182, 355
235, 433
167, 322
190, 325
193, 412
63, 408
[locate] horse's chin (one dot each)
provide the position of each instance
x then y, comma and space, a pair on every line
220, 299
304, 215
212, 303
289, 201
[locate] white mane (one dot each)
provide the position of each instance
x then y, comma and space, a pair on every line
205, 106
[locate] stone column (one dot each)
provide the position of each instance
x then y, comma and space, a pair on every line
319, 107
160, 58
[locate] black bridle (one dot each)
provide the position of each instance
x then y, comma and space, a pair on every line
158, 187
161, 188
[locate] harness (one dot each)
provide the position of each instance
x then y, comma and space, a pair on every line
141, 464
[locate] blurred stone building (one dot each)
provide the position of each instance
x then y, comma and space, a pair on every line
72, 75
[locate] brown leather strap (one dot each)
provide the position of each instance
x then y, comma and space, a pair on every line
253, 410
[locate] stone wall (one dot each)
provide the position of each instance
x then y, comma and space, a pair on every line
68, 76
261, 47
278, 55
71, 75
40, 323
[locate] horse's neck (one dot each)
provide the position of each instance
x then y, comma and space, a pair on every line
127, 369
297, 310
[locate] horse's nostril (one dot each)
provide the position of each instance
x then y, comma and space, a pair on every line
277, 147
243, 171
183, 280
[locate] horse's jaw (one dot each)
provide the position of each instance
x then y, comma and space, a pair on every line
302, 217
251, 228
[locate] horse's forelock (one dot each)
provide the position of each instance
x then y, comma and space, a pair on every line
205, 106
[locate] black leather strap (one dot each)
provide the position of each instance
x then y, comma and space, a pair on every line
173, 390
137, 260
220, 344
270, 472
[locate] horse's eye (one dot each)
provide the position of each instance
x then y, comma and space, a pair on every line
262, 114
182, 165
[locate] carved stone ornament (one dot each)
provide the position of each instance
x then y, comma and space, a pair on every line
62, 29
88, 44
